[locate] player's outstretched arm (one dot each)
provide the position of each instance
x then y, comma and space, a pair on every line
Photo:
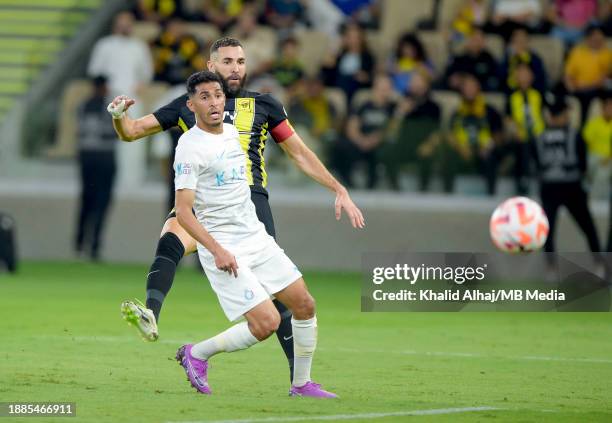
224, 260
129, 129
308, 162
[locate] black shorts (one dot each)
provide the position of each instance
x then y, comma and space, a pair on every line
262, 207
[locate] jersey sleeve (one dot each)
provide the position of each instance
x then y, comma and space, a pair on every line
278, 122
168, 115
187, 167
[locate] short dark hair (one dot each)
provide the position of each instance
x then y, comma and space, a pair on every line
201, 77
591, 28
224, 42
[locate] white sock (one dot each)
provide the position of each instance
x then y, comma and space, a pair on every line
238, 337
304, 345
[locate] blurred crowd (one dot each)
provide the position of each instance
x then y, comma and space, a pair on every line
379, 116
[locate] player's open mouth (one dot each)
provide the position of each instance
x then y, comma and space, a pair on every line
215, 115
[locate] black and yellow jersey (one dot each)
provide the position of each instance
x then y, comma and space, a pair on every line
253, 114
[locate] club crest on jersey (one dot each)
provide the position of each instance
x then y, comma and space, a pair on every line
183, 169
244, 105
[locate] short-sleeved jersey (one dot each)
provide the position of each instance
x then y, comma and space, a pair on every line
213, 165
253, 114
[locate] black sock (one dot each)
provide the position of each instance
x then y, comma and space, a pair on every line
169, 253
285, 333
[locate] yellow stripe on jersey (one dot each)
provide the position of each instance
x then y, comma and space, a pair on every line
182, 125
245, 115
262, 143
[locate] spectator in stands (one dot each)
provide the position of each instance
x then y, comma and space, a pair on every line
588, 68
408, 59
475, 60
508, 15
222, 13
159, 10
310, 108
560, 156
471, 14
597, 134
176, 54
517, 52
475, 137
352, 68
287, 69
414, 134
365, 12
365, 132
259, 46
122, 58
284, 15
323, 16
97, 141
525, 111
569, 18
604, 16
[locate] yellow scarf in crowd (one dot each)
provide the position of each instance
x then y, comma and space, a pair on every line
476, 110
517, 111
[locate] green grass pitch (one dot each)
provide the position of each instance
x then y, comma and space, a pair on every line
62, 339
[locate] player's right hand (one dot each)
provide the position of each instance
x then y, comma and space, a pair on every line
225, 261
119, 105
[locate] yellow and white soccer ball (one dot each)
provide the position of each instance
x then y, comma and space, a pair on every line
518, 225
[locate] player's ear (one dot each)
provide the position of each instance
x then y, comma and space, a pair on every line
210, 65
190, 105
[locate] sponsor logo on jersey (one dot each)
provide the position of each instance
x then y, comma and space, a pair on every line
183, 169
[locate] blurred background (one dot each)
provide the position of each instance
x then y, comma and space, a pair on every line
426, 109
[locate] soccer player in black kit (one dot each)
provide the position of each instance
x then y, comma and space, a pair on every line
560, 154
254, 115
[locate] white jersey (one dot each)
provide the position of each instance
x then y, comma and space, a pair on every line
214, 166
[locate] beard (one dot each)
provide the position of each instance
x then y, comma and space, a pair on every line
231, 91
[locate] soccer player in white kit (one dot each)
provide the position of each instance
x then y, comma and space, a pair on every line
243, 263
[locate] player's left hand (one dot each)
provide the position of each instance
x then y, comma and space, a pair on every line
343, 201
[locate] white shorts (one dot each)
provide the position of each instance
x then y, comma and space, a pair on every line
260, 275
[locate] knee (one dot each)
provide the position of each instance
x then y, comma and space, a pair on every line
304, 307
266, 325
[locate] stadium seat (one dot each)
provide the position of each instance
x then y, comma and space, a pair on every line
399, 16
436, 48
193, 7
574, 111
146, 31
205, 33
495, 45
75, 93
380, 47
551, 51
338, 100
595, 109
497, 101
32, 35
448, 101
152, 93
313, 48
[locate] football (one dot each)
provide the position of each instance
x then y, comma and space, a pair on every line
518, 225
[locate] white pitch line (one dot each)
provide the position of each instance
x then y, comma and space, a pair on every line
472, 355
449, 354
351, 416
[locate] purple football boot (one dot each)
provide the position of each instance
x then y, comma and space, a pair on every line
195, 368
311, 389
